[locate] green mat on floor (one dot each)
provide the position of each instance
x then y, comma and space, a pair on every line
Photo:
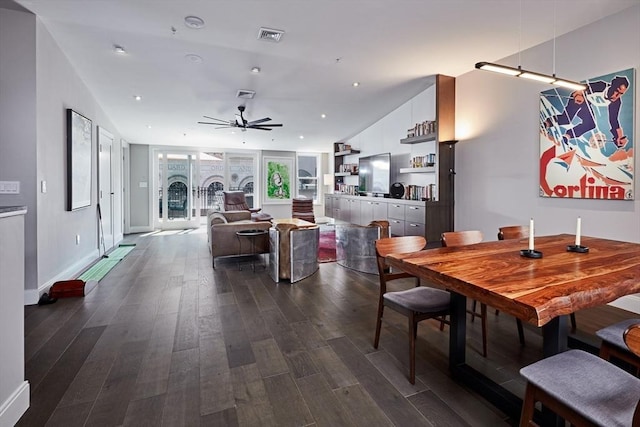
102, 267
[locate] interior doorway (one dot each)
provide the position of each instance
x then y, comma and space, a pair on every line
106, 239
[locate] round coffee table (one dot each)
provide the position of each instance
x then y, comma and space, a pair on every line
251, 235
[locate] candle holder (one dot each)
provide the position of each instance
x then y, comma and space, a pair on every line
578, 248
530, 253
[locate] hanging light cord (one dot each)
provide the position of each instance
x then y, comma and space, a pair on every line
554, 35
520, 38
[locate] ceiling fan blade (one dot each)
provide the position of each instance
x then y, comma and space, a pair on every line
255, 122
209, 123
213, 118
258, 127
273, 125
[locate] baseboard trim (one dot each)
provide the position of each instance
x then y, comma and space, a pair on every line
31, 296
15, 406
140, 229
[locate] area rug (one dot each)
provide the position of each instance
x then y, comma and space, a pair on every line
102, 267
327, 246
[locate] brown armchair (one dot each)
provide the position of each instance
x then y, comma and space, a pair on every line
303, 209
236, 201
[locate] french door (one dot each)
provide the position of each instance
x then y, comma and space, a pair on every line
176, 200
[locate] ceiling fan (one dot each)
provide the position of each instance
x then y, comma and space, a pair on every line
241, 122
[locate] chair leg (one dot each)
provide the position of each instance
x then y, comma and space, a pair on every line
526, 416
442, 320
473, 310
413, 333
574, 324
376, 340
520, 331
483, 317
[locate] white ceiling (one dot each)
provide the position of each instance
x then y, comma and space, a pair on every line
389, 46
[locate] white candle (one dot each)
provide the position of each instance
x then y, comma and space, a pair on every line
578, 225
531, 234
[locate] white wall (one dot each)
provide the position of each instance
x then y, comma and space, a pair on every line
37, 85
384, 137
497, 124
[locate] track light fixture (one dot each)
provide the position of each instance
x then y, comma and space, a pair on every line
519, 72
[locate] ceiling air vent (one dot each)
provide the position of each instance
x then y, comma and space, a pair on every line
269, 34
246, 94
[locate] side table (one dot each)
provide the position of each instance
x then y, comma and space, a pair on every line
251, 235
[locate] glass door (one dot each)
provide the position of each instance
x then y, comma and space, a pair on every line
178, 196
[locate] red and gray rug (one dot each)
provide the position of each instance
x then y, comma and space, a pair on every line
327, 246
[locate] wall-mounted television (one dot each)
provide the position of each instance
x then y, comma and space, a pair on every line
375, 175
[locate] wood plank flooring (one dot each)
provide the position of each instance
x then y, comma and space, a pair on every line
165, 340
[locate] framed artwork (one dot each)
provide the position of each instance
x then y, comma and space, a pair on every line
587, 139
79, 156
278, 172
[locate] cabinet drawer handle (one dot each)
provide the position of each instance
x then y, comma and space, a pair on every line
413, 225
413, 207
396, 222
396, 206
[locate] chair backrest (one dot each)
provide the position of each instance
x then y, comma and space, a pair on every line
632, 338
395, 245
513, 232
461, 238
303, 209
399, 245
235, 201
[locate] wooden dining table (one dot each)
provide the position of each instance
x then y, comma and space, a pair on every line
540, 291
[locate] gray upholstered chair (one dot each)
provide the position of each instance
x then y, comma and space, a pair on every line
417, 303
355, 245
584, 389
613, 344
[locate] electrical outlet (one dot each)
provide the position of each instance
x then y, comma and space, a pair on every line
77, 239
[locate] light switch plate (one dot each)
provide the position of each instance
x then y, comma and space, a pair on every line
9, 187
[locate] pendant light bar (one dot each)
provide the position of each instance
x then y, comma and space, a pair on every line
519, 72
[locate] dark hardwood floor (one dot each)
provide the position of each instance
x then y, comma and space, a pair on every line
165, 340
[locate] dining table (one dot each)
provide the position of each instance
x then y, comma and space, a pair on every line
540, 291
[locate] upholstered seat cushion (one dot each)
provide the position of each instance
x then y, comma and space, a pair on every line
420, 299
614, 334
595, 388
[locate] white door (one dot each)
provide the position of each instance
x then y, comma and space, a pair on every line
178, 202
105, 190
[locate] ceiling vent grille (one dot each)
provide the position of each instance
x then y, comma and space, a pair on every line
246, 94
270, 35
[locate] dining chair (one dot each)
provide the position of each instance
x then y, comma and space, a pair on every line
461, 238
613, 344
302, 208
584, 389
417, 303
522, 232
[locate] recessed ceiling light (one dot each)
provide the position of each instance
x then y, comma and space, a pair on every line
137, 97
119, 49
301, 137
356, 84
148, 126
193, 58
255, 70
323, 115
194, 22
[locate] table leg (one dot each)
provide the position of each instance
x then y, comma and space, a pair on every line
554, 341
509, 403
458, 330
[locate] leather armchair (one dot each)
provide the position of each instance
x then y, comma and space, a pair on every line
355, 245
222, 234
236, 201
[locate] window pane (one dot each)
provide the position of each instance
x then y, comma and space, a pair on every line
308, 177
